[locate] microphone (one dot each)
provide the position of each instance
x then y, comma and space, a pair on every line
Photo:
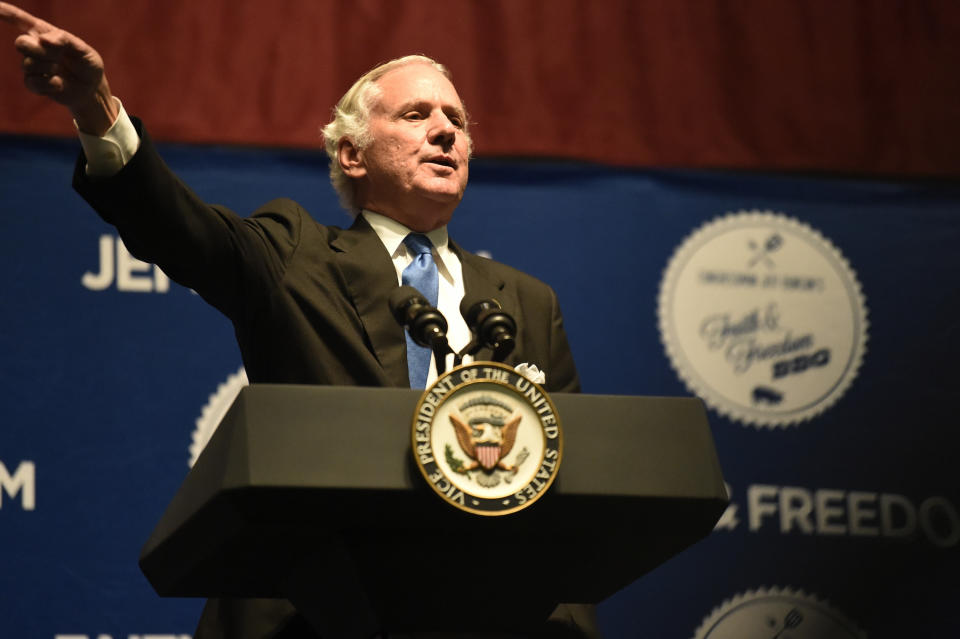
426, 325
491, 327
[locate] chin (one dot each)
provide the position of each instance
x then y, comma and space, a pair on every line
444, 195
442, 188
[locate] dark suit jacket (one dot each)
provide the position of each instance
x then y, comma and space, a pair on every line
307, 302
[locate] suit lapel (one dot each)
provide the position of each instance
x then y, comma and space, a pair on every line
479, 281
370, 278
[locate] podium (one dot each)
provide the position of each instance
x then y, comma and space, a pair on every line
310, 493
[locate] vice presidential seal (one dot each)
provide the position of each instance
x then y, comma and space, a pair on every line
487, 439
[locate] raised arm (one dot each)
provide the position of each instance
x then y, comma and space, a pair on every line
64, 68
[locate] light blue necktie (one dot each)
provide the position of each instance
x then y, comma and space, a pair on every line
422, 275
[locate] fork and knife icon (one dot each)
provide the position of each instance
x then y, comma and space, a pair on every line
792, 620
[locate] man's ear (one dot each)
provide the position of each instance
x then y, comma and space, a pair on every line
350, 158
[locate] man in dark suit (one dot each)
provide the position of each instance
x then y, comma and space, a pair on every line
307, 301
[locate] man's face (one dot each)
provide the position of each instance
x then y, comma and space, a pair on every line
415, 169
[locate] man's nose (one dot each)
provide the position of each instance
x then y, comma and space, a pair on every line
442, 130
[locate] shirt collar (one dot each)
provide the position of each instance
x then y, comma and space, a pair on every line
391, 233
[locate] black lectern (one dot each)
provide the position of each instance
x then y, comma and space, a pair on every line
309, 493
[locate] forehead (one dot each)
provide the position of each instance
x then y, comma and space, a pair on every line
415, 83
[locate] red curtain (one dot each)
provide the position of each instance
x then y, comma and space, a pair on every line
865, 86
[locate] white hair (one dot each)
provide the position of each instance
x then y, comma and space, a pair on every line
351, 119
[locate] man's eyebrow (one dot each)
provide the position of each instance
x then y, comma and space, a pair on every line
459, 111
411, 105
417, 105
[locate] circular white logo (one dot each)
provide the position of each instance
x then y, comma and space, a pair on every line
487, 439
214, 410
762, 318
780, 613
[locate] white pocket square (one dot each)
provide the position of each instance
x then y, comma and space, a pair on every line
531, 372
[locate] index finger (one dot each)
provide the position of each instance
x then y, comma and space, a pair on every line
21, 19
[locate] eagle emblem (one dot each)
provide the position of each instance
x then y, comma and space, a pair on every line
486, 439
486, 429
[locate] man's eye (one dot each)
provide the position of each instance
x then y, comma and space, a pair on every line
413, 115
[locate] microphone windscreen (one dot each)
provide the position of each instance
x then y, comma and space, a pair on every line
472, 305
402, 298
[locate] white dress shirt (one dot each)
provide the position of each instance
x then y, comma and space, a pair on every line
450, 289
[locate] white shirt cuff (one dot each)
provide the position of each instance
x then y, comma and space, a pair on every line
108, 154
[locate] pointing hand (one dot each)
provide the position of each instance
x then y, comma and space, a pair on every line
64, 68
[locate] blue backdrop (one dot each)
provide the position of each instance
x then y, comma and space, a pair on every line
841, 524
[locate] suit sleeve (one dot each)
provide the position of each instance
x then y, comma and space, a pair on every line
223, 257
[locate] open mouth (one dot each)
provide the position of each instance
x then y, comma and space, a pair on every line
443, 161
